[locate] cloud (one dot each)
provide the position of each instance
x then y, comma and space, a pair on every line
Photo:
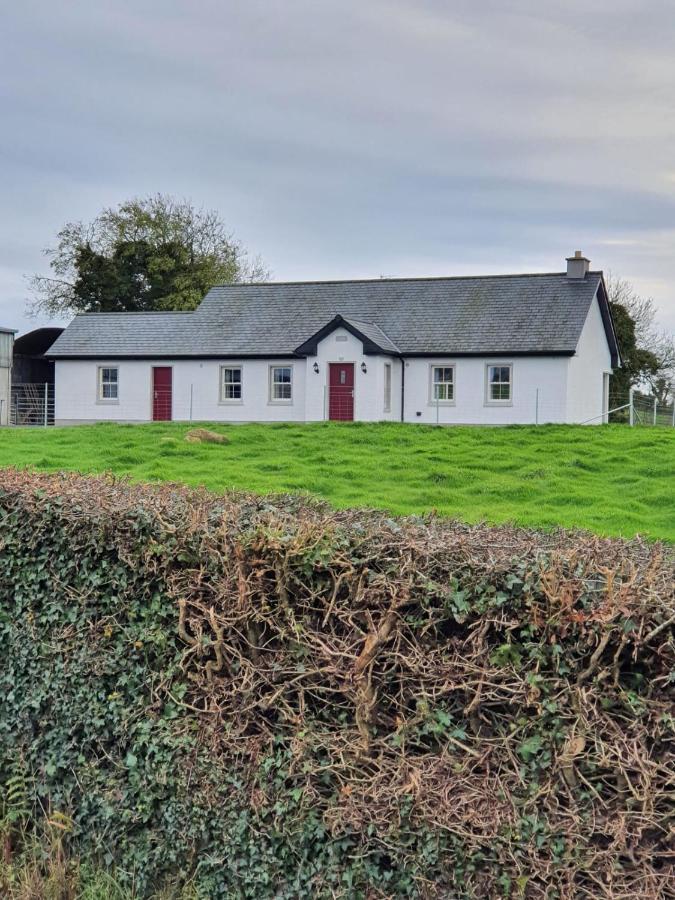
344, 138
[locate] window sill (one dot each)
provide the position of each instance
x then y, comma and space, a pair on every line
434, 403
498, 403
280, 403
230, 403
101, 402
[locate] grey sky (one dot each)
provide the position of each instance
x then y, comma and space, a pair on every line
347, 139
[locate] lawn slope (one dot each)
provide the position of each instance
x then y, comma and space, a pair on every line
613, 479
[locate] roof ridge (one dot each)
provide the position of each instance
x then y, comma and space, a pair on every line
238, 284
139, 312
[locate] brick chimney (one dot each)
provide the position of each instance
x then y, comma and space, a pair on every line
577, 265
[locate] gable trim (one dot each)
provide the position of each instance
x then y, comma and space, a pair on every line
608, 323
370, 347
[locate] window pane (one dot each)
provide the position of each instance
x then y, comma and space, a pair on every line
500, 392
499, 379
282, 383
443, 377
108, 383
231, 387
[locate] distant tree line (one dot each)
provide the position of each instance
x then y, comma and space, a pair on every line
647, 351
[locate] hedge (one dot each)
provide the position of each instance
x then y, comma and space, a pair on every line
266, 698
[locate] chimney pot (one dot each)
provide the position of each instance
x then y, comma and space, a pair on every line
577, 265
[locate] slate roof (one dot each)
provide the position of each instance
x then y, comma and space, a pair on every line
375, 334
373, 338
501, 314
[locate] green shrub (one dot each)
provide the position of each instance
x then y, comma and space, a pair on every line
267, 698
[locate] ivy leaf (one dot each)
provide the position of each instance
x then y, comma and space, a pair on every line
531, 747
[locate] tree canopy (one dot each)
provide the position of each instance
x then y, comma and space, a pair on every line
152, 253
647, 352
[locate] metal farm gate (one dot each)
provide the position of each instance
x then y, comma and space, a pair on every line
32, 404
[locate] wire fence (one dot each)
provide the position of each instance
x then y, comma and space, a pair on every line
648, 410
633, 407
33, 405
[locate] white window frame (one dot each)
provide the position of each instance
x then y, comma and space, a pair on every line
489, 401
99, 384
387, 387
285, 401
231, 401
432, 383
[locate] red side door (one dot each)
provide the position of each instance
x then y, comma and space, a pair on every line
341, 392
161, 393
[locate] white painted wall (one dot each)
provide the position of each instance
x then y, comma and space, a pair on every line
545, 389
255, 405
587, 369
470, 407
77, 388
342, 346
194, 381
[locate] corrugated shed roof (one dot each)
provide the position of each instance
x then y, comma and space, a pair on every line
449, 316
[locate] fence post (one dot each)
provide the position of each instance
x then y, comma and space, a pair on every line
673, 412
536, 407
191, 386
655, 403
46, 401
630, 407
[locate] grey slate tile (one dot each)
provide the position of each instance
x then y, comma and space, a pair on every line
445, 316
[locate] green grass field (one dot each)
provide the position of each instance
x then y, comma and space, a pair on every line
612, 479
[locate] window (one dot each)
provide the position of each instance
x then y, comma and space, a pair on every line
281, 384
387, 387
230, 384
108, 383
442, 384
499, 384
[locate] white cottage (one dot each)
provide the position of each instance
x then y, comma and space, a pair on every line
487, 350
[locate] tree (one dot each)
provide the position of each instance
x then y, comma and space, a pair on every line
152, 253
647, 352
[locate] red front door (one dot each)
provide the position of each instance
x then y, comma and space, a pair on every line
341, 392
161, 393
